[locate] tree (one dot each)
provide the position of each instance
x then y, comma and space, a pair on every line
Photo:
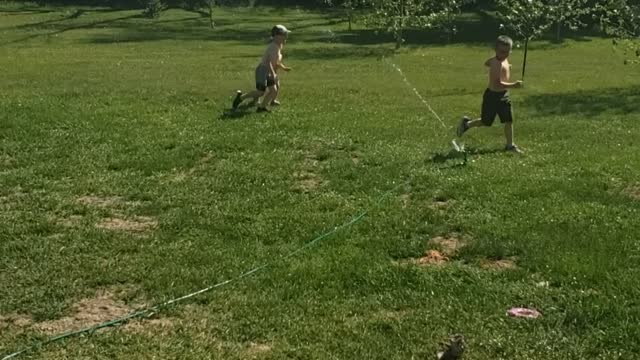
395, 16
621, 19
210, 4
349, 7
197, 5
568, 13
527, 18
445, 14
153, 8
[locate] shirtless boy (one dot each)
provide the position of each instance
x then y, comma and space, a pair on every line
496, 99
267, 82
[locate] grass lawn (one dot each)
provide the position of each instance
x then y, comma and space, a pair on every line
124, 182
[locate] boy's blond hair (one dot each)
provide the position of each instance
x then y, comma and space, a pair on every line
504, 40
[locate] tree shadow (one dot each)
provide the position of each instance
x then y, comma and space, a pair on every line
340, 52
589, 103
25, 11
198, 29
73, 15
64, 29
149, 33
327, 22
475, 29
480, 29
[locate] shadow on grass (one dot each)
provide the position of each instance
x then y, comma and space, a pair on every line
340, 52
25, 11
455, 159
475, 29
589, 103
242, 111
197, 27
450, 159
73, 15
64, 29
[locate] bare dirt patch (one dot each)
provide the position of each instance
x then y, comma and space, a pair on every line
448, 245
355, 158
106, 201
98, 201
12, 198
257, 349
391, 314
405, 200
7, 160
151, 326
202, 162
498, 264
70, 221
440, 203
310, 161
431, 257
441, 249
137, 224
633, 191
15, 320
87, 313
307, 179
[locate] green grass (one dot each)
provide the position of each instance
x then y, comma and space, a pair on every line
109, 104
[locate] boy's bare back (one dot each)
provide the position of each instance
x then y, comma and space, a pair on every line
272, 56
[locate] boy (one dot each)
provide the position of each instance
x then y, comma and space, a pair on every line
496, 99
267, 82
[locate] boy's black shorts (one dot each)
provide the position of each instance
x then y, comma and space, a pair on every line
496, 103
264, 79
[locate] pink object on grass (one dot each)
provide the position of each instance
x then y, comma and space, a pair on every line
524, 313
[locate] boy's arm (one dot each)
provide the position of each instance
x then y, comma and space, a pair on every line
273, 71
496, 80
273, 59
283, 67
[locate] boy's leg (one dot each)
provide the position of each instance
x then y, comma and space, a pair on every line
268, 98
255, 94
240, 97
488, 111
506, 117
476, 123
262, 82
272, 92
508, 133
275, 101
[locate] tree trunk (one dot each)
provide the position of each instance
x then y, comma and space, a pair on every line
400, 26
211, 22
558, 32
524, 63
349, 18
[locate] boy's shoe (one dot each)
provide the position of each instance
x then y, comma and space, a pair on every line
263, 110
237, 100
464, 126
513, 148
275, 103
